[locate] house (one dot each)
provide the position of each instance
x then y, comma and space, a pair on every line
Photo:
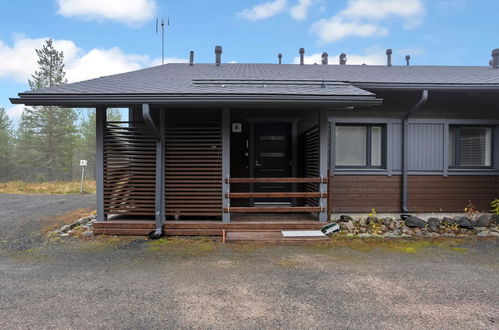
218, 146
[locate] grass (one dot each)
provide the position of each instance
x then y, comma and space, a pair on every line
51, 187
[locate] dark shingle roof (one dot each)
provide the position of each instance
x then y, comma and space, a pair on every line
275, 79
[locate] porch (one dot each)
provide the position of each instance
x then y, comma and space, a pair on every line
205, 171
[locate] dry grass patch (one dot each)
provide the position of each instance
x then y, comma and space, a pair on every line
64, 219
52, 187
183, 247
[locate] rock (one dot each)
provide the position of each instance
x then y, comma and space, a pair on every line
409, 232
362, 222
414, 222
65, 228
64, 235
479, 229
494, 219
484, 233
383, 228
83, 220
363, 229
417, 232
364, 235
372, 219
347, 225
392, 234
483, 220
88, 234
345, 218
465, 222
494, 233
405, 229
399, 223
448, 235
434, 224
449, 221
433, 235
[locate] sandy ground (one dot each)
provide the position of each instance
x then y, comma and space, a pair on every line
134, 283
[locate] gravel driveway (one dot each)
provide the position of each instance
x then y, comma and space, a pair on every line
131, 283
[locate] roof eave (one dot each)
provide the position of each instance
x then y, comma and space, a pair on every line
437, 87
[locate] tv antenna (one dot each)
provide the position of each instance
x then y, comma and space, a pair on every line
162, 35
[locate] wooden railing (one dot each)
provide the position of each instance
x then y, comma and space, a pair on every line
278, 209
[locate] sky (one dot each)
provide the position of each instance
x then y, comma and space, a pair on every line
103, 37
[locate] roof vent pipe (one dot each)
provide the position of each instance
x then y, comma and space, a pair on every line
495, 58
407, 59
324, 58
302, 53
389, 57
343, 58
279, 56
191, 58
218, 55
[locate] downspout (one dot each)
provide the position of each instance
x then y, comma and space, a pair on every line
405, 149
158, 214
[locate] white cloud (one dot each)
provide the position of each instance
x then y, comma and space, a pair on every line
336, 28
300, 10
365, 18
377, 58
131, 12
264, 10
19, 60
15, 111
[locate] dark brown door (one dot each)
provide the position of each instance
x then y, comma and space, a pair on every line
272, 159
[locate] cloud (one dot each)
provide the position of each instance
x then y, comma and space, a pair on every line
130, 12
365, 18
19, 60
264, 10
15, 111
377, 58
300, 10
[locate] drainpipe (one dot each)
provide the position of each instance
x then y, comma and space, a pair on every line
158, 214
405, 149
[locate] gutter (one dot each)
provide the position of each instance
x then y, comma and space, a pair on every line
405, 149
159, 209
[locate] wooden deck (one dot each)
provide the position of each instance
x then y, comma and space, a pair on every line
274, 237
202, 228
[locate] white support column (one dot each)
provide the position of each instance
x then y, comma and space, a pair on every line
100, 121
225, 163
323, 157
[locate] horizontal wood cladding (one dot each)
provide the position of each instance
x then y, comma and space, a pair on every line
193, 168
129, 169
361, 193
428, 193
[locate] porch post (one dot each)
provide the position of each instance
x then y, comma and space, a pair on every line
225, 163
100, 122
323, 170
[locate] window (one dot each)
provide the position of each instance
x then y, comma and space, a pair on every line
470, 147
359, 146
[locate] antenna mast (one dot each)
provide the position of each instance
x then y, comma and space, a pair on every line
162, 35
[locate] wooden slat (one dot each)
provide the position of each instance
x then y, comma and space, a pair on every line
291, 209
276, 180
274, 195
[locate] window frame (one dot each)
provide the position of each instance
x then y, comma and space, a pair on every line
368, 146
457, 147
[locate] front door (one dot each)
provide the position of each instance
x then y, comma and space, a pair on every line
272, 159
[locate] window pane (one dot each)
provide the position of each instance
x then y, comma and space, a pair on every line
475, 145
452, 146
351, 146
376, 140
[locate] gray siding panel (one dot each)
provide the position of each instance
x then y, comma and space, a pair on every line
396, 150
426, 151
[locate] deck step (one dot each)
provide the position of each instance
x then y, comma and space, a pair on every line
268, 237
123, 232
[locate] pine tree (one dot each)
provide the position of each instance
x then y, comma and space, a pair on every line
6, 140
47, 134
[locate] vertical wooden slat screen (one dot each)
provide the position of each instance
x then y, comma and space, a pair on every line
129, 169
193, 168
311, 164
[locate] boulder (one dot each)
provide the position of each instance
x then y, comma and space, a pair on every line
434, 224
372, 219
465, 222
364, 235
495, 219
345, 218
362, 222
483, 220
347, 226
415, 222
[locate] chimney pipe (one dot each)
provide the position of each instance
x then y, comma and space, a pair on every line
324, 58
343, 59
218, 55
302, 53
407, 59
495, 58
191, 58
279, 56
389, 57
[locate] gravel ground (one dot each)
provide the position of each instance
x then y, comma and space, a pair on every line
132, 283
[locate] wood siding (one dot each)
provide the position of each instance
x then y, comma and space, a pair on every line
361, 193
428, 193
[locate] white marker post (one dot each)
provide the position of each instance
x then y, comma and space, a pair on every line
83, 164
